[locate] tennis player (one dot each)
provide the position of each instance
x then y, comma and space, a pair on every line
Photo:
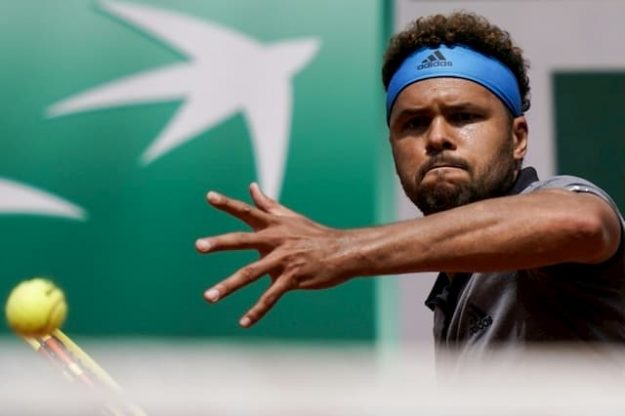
521, 260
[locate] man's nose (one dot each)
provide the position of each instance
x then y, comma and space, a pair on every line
440, 136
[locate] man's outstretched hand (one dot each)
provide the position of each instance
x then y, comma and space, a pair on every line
295, 252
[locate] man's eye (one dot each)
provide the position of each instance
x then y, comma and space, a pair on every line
464, 117
416, 123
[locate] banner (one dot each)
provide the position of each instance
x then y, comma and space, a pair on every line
119, 117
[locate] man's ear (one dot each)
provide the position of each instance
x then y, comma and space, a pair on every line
519, 136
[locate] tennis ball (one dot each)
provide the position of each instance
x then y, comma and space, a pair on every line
36, 307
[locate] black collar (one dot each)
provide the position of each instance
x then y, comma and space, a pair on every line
526, 177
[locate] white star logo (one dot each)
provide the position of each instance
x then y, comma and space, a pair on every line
17, 198
227, 72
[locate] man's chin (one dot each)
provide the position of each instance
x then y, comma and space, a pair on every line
440, 197
441, 186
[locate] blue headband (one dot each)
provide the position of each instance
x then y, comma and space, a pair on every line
456, 62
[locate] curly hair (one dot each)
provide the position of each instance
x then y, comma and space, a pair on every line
459, 27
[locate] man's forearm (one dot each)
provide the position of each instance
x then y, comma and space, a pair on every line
533, 230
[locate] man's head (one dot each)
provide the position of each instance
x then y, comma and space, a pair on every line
458, 134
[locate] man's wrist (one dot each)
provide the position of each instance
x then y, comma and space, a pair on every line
352, 257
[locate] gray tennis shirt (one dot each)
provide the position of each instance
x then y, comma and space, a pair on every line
562, 303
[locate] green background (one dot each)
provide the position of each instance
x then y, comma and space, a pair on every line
131, 267
589, 126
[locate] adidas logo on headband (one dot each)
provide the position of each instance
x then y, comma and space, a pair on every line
435, 59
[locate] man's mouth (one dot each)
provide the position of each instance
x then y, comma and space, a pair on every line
445, 166
441, 165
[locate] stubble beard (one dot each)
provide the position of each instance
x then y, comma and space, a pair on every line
496, 180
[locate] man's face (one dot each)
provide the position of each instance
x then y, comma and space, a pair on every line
454, 142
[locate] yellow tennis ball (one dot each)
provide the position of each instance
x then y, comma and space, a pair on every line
36, 307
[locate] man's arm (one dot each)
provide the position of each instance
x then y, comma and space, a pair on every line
531, 230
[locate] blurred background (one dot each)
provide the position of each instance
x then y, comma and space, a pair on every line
118, 117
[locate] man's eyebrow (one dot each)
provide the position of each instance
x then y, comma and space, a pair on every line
465, 105
424, 111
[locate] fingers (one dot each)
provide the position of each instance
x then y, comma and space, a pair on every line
267, 301
267, 204
251, 215
230, 241
261, 200
241, 278
261, 217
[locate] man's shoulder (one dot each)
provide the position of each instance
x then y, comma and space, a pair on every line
570, 182
574, 184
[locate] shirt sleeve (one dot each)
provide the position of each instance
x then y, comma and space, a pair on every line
575, 184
